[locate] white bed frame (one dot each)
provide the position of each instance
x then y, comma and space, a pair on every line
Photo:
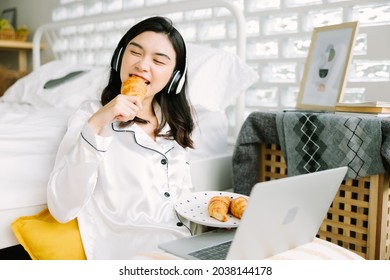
210, 174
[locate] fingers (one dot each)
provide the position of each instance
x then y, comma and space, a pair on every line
121, 108
125, 108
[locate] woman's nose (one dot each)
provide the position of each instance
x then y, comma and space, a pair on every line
143, 64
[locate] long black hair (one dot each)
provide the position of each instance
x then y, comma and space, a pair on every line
176, 109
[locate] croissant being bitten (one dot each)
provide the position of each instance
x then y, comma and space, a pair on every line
135, 86
218, 207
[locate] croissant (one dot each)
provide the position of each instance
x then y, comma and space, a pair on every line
237, 206
134, 86
218, 207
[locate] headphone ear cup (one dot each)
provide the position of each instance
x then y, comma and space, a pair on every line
180, 84
117, 59
173, 84
177, 81
182, 80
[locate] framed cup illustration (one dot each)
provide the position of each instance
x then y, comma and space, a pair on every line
326, 67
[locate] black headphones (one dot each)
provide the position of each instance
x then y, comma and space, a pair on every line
174, 85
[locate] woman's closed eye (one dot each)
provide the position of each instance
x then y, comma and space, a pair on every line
135, 53
159, 62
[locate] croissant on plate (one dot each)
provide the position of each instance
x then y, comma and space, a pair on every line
237, 206
134, 86
218, 207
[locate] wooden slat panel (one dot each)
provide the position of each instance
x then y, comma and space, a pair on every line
359, 217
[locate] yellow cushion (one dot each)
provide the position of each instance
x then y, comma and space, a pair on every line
46, 239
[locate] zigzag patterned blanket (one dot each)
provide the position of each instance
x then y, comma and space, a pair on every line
311, 142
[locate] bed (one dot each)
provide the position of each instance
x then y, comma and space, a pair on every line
33, 118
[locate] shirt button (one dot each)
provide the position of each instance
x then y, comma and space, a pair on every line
163, 161
167, 194
179, 224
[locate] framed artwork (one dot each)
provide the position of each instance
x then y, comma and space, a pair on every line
10, 16
326, 67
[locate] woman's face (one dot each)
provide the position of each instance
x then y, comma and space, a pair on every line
151, 56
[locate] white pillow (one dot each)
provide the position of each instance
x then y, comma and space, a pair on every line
210, 135
70, 94
216, 77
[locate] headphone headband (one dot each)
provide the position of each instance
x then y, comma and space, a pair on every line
177, 80
175, 84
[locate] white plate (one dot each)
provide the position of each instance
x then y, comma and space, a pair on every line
194, 208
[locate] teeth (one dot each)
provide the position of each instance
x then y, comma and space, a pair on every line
146, 82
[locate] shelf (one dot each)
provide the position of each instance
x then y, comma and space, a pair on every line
19, 46
15, 45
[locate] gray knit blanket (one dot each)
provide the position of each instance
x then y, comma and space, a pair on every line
315, 141
264, 128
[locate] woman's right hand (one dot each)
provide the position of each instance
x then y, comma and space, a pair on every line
122, 108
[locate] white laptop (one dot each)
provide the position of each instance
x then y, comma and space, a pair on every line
281, 215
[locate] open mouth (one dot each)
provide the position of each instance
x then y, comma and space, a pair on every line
146, 81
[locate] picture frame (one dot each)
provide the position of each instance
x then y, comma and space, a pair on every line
10, 16
326, 66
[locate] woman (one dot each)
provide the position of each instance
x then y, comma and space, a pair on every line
123, 163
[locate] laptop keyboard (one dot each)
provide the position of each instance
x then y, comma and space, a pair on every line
217, 252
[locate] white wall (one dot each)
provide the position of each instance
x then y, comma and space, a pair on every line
31, 12
36, 12
378, 49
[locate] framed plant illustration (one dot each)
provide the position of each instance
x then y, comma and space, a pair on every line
10, 16
326, 67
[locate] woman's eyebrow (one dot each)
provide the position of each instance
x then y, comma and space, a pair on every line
135, 44
139, 46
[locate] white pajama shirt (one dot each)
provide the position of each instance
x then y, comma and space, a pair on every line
121, 185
